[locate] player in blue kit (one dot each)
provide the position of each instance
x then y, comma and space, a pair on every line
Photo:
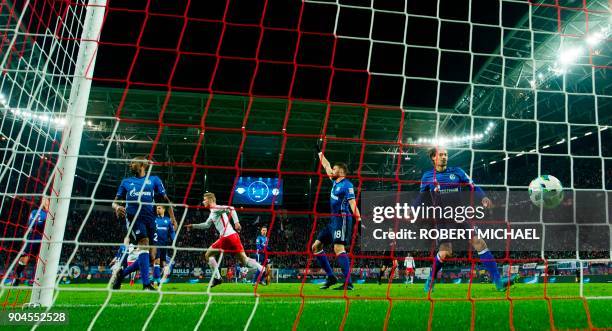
164, 236
261, 243
139, 193
36, 222
443, 183
338, 231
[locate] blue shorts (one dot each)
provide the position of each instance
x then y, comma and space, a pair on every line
144, 227
162, 254
338, 231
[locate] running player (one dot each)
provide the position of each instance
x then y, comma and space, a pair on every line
338, 231
228, 241
139, 193
36, 223
447, 181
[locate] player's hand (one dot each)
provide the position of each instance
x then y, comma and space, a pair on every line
319, 146
487, 203
237, 226
120, 212
188, 226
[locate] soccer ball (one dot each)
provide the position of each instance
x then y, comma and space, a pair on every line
546, 191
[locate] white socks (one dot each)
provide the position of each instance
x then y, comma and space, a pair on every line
212, 262
253, 264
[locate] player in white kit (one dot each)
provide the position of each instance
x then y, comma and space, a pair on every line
409, 265
228, 241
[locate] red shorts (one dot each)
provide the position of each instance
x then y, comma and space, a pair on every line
409, 270
230, 243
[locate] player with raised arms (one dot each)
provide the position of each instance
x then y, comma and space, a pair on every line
139, 193
228, 237
338, 231
36, 222
444, 180
164, 236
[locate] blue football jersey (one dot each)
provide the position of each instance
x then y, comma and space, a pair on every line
261, 242
164, 231
130, 191
37, 220
451, 180
341, 193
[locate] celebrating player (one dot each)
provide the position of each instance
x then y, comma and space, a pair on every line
164, 236
261, 243
36, 222
228, 238
443, 180
338, 231
139, 193
409, 265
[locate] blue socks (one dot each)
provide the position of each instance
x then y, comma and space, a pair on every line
488, 261
156, 272
144, 265
345, 265
324, 263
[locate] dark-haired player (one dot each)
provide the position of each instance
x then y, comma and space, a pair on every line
36, 221
443, 183
338, 231
139, 193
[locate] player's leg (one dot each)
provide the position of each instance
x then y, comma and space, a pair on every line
324, 237
488, 261
210, 257
157, 268
21, 265
251, 263
342, 236
445, 251
343, 261
260, 258
141, 231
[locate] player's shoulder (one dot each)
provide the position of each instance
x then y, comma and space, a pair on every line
428, 173
457, 170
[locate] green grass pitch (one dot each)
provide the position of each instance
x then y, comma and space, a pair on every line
181, 306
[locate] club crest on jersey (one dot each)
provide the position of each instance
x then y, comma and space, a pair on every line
452, 176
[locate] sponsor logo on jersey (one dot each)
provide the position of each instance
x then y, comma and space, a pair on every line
133, 193
452, 176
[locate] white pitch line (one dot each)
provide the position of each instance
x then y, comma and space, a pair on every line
241, 302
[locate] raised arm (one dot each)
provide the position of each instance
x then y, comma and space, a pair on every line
326, 165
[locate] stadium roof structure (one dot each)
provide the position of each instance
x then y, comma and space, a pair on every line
443, 107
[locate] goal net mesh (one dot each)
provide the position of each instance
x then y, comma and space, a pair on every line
219, 92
